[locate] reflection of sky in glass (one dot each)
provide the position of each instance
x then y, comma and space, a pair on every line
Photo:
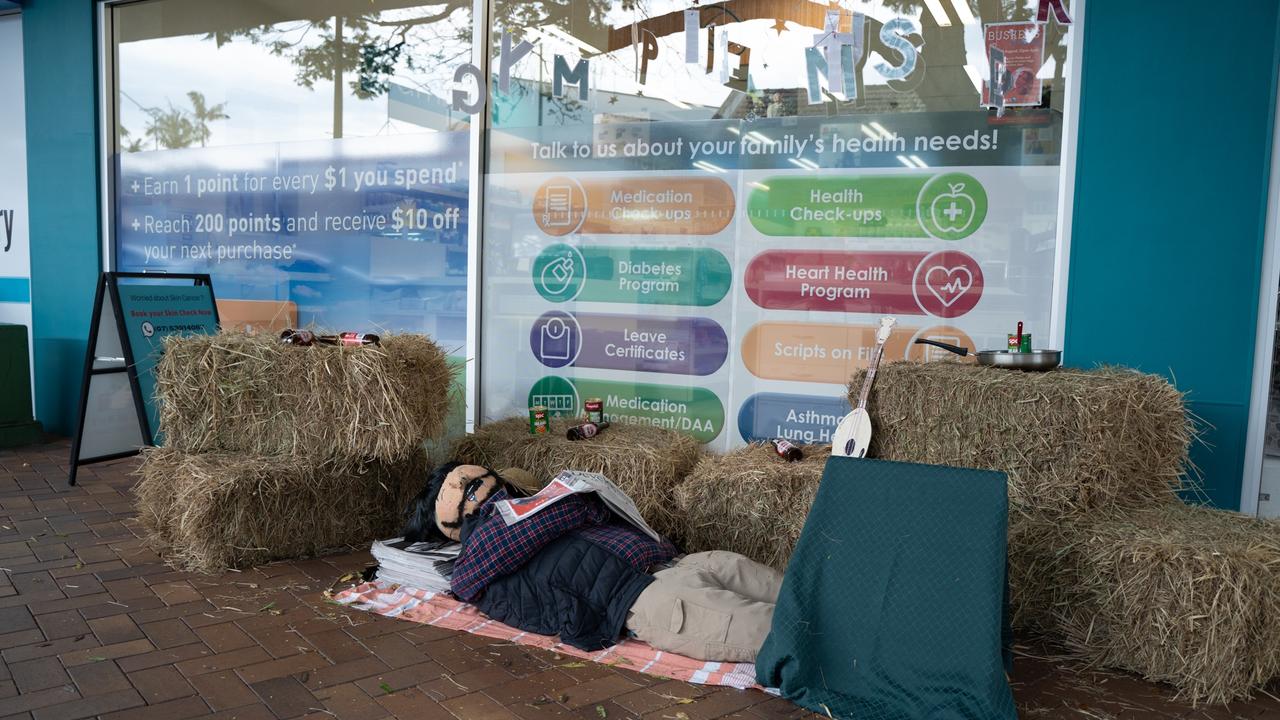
266, 103
777, 59
262, 95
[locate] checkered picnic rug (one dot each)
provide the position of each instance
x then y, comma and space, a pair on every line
440, 610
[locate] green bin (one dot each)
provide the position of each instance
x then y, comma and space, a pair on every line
17, 427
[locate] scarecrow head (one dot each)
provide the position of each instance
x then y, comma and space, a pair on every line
453, 492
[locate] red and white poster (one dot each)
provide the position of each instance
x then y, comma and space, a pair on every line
1015, 51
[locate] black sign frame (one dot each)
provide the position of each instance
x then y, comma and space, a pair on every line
109, 283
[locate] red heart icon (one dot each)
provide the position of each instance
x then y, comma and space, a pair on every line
947, 284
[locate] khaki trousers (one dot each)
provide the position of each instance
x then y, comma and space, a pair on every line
710, 606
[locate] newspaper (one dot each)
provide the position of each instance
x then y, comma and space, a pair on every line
423, 565
572, 482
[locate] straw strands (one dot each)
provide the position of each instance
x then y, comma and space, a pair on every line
750, 501
212, 511
1180, 594
252, 394
1070, 440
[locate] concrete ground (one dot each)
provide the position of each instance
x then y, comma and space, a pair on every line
92, 623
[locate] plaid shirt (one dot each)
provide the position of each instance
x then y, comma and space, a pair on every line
493, 548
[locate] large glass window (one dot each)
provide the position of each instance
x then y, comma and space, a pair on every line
696, 213
699, 213
302, 152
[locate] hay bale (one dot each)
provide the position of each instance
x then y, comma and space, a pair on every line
1070, 440
1184, 595
750, 501
208, 512
646, 462
250, 394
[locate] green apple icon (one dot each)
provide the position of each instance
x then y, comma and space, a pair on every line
951, 206
958, 212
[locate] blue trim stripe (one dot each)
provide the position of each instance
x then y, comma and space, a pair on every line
15, 290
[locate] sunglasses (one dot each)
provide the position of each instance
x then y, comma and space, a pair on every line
473, 485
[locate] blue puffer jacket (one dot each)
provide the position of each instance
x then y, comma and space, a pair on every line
572, 588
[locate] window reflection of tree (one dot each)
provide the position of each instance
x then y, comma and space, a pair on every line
372, 48
375, 46
174, 127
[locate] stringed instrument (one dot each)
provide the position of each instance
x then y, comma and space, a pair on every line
853, 434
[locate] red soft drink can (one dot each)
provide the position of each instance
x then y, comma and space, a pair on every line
538, 420
594, 408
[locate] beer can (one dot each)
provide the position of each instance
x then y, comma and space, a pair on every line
594, 408
1024, 347
538, 420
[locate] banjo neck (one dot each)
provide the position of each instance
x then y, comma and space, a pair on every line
871, 375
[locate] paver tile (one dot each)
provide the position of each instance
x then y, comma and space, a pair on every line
38, 674
286, 697
99, 678
223, 690
160, 684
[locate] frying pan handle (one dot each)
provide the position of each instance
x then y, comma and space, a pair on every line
945, 346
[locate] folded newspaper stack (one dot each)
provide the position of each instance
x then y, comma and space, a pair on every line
423, 565
573, 482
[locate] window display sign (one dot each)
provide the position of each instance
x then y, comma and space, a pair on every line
726, 278
152, 313
707, 237
1016, 52
119, 411
360, 233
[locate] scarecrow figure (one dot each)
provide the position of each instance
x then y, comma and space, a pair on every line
577, 570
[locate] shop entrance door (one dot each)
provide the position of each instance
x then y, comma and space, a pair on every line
1261, 487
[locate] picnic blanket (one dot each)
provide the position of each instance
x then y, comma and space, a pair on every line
893, 603
441, 610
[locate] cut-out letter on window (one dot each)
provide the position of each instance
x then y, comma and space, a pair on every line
460, 97
893, 36
508, 58
692, 21
1059, 12
577, 76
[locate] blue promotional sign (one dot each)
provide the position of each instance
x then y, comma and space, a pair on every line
804, 419
681, 346
153, 312
362, 234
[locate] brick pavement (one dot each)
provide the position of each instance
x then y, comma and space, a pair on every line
94, 624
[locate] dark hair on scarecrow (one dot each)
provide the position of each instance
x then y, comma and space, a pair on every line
421, 522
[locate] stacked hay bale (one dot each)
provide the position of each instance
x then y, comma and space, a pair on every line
1184, 595
1104, 555
274, 451
645, 462
750, 501
213, 511
1071, 441
252, 394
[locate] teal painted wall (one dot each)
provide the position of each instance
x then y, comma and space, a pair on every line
1170, 206
60, 53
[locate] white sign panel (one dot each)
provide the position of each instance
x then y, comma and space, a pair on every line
15, 257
